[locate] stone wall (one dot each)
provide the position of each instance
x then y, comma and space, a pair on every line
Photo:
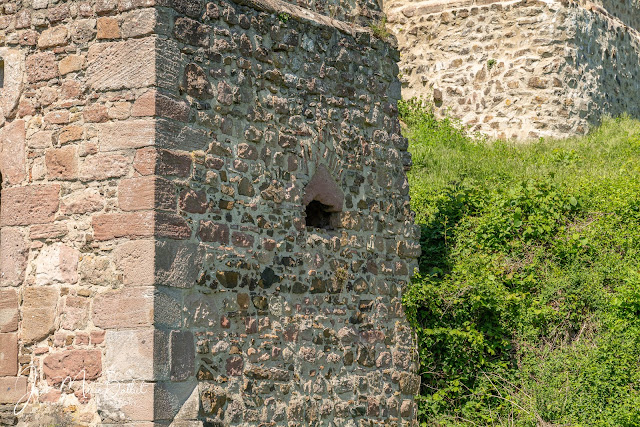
524, 69
157, 162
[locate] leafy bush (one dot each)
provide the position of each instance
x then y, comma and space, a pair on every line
527, 304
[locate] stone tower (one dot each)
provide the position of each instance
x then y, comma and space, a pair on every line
521, 69
205, 215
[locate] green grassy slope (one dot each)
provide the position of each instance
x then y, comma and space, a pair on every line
527, 306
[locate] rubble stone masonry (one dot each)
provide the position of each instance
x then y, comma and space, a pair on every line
521, 69
204, 216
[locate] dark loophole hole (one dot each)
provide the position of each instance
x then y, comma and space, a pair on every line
318, 215
1, 73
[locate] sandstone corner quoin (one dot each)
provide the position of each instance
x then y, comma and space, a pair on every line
205, 215
521, 69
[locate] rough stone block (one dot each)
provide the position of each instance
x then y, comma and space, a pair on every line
121, 65
62, 163
129, 355
108, 28
12, 164
13, 389
136, 260
146, 193
33, 204
8, 354
125, 308
55, 36
139, 22
125, 135
41, 66
9, 315
129, 224
83, 201
38, 313
57, 264
75, 313
13, 256
104, 166
71, 63
172, 226
182, 355
178, 263
73, 365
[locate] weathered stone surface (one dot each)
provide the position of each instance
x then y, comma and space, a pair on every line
146, 193
41, 66
62, 163
9, 314
178, 263
75, 313
72, 365
121, 65
136, 260
12, 389
12, 164
57, 264
182, 355
38, 313
82, 202
126, 308
13, 256
130, 355
55, 36
104, 166
9, 354
33, 204
129, 134
130, 225
196, 83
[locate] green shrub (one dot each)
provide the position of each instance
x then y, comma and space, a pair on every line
527, 304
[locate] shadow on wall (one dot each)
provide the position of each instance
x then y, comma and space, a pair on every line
607, 62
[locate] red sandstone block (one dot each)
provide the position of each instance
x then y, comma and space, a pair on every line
12, 160
95, 113
146, 193
70, 133
8, 310
108, 28
153, 103
41, 66
32, 204
8, 354
104, 166
47, 231
62, 163
130, 224
97, 337
13, 389
58, 117
150, 161
13, 256
125, 308
72, 364
127, 134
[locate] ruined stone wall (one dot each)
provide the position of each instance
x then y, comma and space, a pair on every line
292, 324
155, 263
524, 69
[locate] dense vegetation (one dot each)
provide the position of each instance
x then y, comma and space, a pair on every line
527, 305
